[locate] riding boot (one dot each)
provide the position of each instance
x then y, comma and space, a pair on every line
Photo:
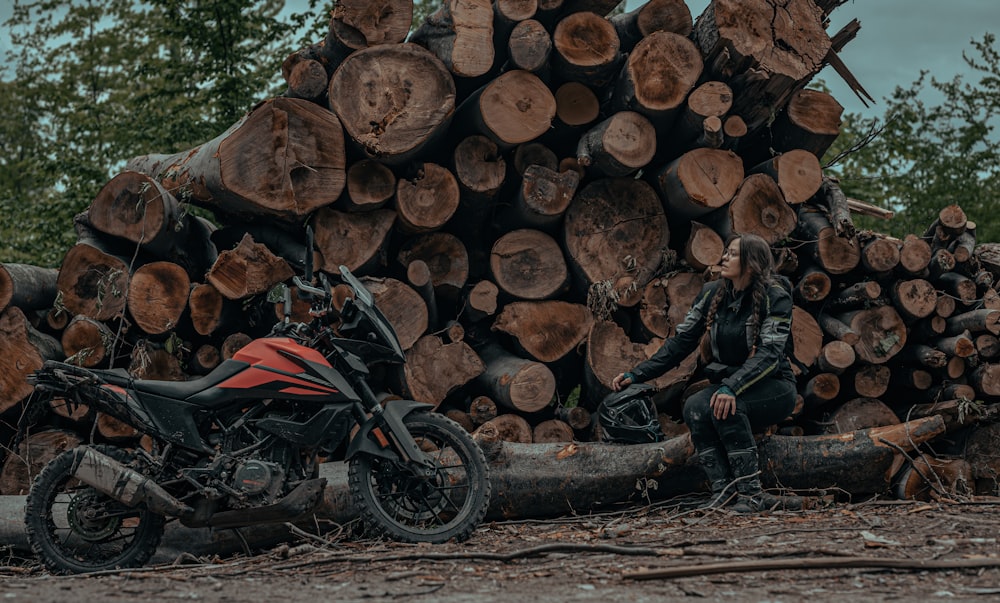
752, 497
716, 468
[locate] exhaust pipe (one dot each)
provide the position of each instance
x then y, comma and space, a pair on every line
125, 485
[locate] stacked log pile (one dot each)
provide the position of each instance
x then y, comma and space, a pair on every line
534, 192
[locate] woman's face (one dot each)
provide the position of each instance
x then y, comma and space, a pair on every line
731, 261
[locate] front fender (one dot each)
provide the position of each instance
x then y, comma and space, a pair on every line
392, 416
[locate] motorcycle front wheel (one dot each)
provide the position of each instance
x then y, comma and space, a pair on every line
398, 502
74, 528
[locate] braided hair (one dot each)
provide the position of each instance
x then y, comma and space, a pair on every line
757, 263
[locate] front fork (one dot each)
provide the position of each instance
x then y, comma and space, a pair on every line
384, 433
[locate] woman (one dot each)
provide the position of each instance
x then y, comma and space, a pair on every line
748, 315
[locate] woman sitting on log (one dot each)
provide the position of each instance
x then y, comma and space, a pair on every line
748, 315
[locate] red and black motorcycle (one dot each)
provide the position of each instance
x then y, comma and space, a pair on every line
241, 446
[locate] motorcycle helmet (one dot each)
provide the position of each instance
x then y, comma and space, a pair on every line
629, 416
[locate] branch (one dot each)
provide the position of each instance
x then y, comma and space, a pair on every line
705, 569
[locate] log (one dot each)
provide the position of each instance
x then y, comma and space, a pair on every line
765, 51
428, 200
505, 428
307, 79
552, 431
757, 208
27, 287
586, 49
480, 169
92, 283
354, 240
247, 270
20, 469
547, 331
704, 247
986, 379
914, 298
482, 409
699, 181
657, 78
981, 453
928, 478
460, 35
837, 329
528, 264
158, 294
612, 224
655, 15
481, 301
863, 294
974, 321
914, 255
529, 47
514, 108
957, 413
446, 257
666, 301
923, 355
116, 430
515, 383
960, 345
370, 185
709, 100
362, 23
618, 146
209, 310
24, 352
836, 255
419, 277
860, 413
836, 357
402, 307
434, 369
811, 122
807, 337
403, 101
462, 418
881, 330
204, 359
960, 286
813, 285
234, 343
821, 389
87, 342
872, 380
284, 159
542, 198
577, 417
150, 362
987, 345
797, 173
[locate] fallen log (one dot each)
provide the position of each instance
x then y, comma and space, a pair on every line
27, 287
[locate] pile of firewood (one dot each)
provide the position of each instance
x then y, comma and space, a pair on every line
535, 193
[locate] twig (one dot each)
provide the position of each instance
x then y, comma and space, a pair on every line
705, 569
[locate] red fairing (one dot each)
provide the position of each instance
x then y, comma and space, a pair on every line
265, 351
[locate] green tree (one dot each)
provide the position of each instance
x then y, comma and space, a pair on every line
927, 156
96, 82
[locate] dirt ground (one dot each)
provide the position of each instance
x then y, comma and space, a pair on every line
591, 558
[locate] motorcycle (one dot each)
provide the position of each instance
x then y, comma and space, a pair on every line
242, 445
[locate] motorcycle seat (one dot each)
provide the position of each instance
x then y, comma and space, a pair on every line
181, 390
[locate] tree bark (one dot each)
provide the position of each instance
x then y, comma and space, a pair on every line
27, 287
284, 159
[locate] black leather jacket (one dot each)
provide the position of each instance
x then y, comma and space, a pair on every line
730, 337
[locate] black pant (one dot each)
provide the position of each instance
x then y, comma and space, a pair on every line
765, 403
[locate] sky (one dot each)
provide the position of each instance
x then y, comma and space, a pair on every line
898, 39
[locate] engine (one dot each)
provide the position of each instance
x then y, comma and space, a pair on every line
259, 481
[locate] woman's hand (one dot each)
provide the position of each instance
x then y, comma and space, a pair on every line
723, 403
623, 380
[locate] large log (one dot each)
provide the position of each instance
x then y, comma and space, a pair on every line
528, 264
618, 146
614, 226
445, 256
836, 255
796, 172
402, 307
881, 330
757, 208
657, 78
358, 24
586, 49
27, 287
529, 47
402, 100
860, 413
428, 200
157, 296
87, 342
548, 330
514, 108
21, 468
434, 369
284, 159
650, 17
699, 181
765, 51
93, 283
480, 169
354, 240
811, 121
542, 198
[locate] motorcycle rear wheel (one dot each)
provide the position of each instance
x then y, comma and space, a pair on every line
74, 528
398, 503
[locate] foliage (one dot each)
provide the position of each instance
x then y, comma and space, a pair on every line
97, 82
929, 156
